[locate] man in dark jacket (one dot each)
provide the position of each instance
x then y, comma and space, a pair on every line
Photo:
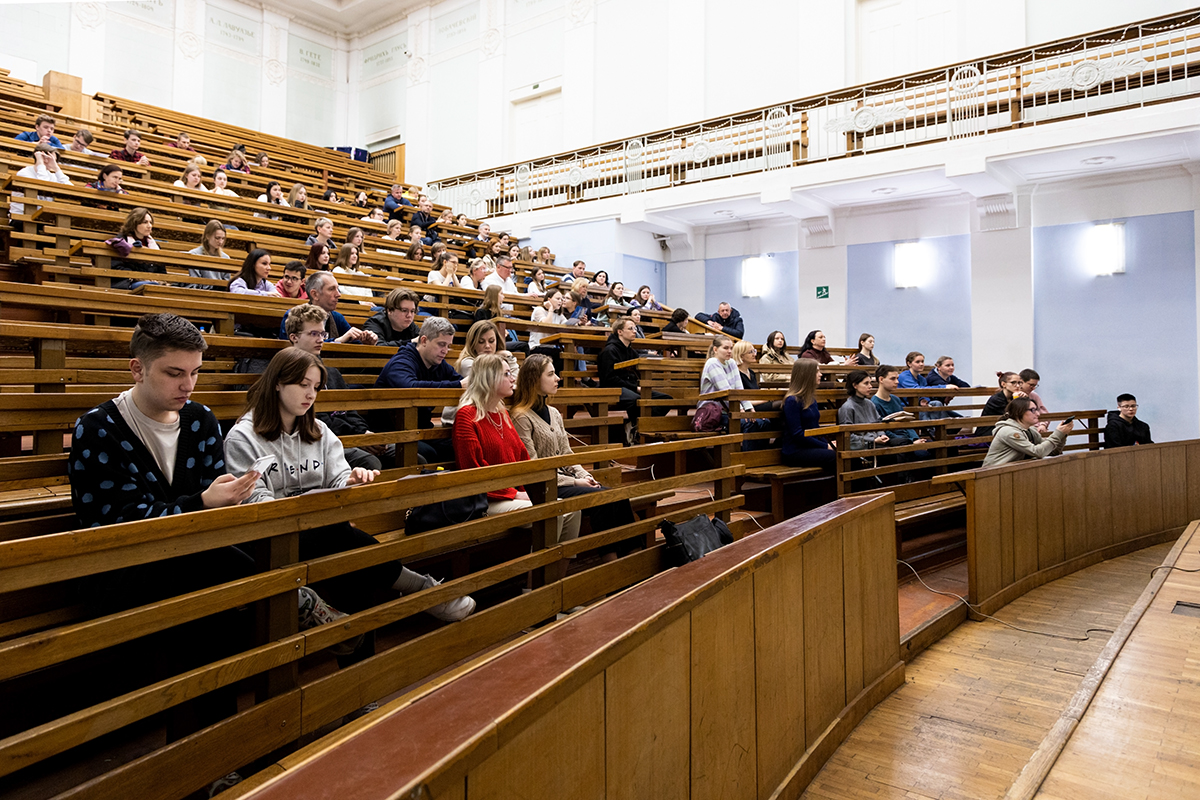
1124, 428
421, 364
424, 217
617, 350
727, 320
395, 325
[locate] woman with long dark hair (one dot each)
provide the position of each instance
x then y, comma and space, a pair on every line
252, 278
800, 414
318, 259
775, 350
280, 423
135, 233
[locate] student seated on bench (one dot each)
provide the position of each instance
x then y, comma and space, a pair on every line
130, 152
617, 350
44, 168
306, 330
1010, 388
913, 377
252, 278
211, 242
721, 375
540, 426
151, 453
322, 288
134, 234
280, 421
1019, 436
942, 374
484, 436
43, 132
800, 414
395, 325
421, 364
291, 285
1123, 428
482, 338
727, 320
888, 378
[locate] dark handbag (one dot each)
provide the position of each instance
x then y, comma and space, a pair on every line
455, 511
694, 539
708, 418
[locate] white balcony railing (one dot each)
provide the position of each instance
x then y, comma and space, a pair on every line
1136, 65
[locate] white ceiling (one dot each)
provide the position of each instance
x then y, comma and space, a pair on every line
347, 17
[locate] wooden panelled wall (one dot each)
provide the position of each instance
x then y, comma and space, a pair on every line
1031, 523
732, 677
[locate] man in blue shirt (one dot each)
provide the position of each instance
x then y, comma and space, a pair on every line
887, 403
395, 200
43, 131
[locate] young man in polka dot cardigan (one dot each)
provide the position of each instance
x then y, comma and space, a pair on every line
151, 452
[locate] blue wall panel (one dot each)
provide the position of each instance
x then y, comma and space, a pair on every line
1096, 337
933, 318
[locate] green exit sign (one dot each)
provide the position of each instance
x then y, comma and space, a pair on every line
822, 292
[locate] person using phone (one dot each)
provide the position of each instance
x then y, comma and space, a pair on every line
280, 422
1019, 435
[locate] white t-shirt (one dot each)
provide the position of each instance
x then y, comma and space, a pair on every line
160, 438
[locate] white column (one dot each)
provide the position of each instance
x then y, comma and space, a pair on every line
273, 119
345, 125
493, 100
418, 136
822, 266
1002, 289
579, 75
187, 89
685, 61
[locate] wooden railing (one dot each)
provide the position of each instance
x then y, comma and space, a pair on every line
735, 676
1034, 522
1109, 70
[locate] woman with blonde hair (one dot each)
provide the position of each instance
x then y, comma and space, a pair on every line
720, 375
236, 162
484, 434
540, 426
191, 178
800, 414
483, 338
298, 196
347, 264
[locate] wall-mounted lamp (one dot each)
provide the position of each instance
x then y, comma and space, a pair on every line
755, 275
910, 266
1105, 248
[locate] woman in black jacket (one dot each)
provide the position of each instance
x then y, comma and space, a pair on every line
618, 349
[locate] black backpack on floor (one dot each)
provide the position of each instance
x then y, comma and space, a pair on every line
694, 539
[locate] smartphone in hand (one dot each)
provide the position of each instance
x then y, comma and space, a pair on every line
262, 464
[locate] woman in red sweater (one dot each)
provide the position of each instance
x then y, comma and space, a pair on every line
484, 435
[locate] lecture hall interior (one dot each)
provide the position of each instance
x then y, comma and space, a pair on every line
599, 399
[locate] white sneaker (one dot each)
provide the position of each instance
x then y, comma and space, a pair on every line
451, 610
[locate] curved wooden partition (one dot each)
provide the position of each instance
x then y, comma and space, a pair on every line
734, 677
1034, 522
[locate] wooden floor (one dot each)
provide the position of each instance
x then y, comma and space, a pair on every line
977, 704
1138, 738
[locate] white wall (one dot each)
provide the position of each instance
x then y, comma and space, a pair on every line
599, 70
235, 62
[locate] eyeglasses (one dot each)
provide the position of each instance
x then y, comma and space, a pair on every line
1128, 405
314, 334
